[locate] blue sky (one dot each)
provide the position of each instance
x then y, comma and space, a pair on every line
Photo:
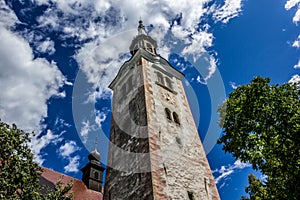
57, 58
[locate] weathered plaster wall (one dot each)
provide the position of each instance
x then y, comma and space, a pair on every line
150, 156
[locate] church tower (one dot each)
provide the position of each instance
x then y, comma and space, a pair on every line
92, 172
155, 150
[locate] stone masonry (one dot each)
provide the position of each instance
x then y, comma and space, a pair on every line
155, 150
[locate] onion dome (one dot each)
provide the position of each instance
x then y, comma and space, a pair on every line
94, 155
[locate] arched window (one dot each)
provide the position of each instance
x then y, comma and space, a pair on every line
168, 114
168, 83
160, 78
176, 118
96, 175
190, 195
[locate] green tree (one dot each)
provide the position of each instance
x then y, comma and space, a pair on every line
19, 174
261, 125
60, 192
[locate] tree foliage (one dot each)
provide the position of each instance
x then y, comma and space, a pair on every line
19, 174
261, 125
60, 192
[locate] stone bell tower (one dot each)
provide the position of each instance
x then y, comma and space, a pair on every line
155, 151
92, 172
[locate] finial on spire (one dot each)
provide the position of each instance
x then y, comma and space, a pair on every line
96, 142
94, 155
141, 27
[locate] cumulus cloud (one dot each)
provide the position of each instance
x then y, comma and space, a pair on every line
97, 21
73, 165
85, 129
46, 46
229, 10
225, 171
198, 44
101, 32
295, 79
297, 66
100, 63
38, 143
68, 148
8, 17
212, 67
297, 42
100, 117
26, 82
291, 4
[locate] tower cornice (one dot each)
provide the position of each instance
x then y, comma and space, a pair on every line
148, 56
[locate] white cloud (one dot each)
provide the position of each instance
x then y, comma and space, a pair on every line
86, 128
26, 82
229, 10
61, 94
73, 165
68, 148
39, 142
60, 123
68, 83
100, 117
297, 42
100, 21
225, 171
297, 66
100, 63
97, 19
46, 46
295, 79
294, 3
198, 45
8, 17
212, 66
101, 31
233, 85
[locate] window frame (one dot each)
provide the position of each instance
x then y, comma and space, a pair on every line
176, 118
168, 114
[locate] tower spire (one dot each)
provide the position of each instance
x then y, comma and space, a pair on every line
142, 41
96, 142
93, 170
141, 28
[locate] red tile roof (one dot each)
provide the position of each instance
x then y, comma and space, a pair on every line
80, 191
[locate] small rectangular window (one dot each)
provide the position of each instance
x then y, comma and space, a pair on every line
168, 83
149, 47
160, 78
